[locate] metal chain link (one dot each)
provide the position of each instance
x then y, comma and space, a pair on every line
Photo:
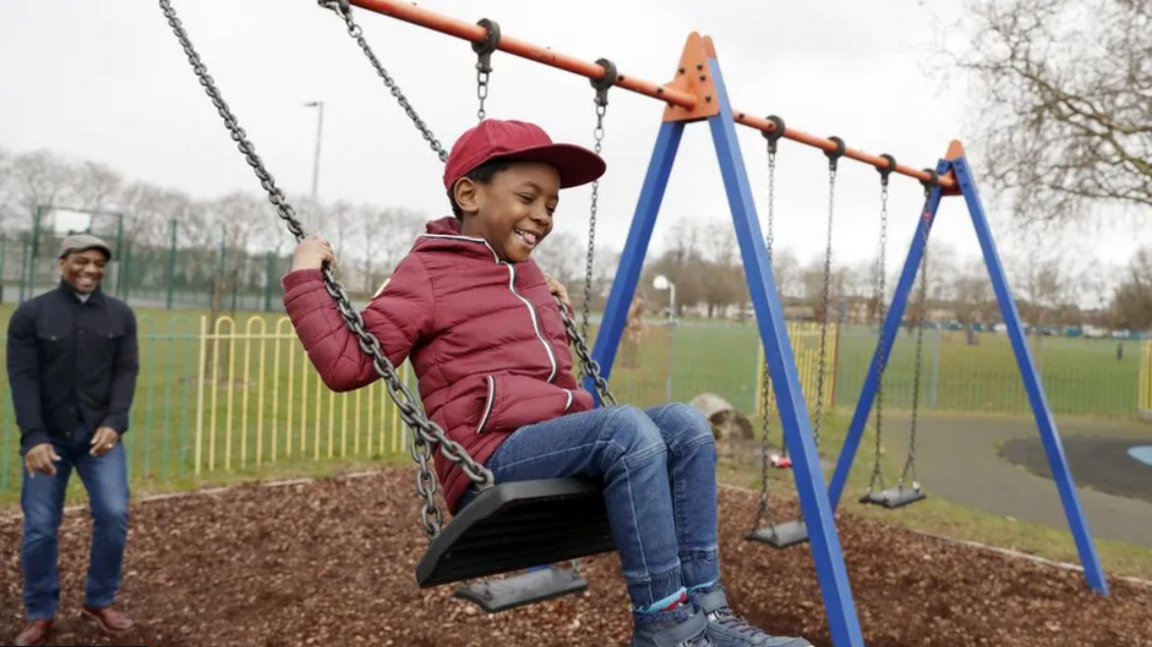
921, 298
427, 433
877, 473
356, 33
481, 91
590, 367
764, 511
824, 324
598, 133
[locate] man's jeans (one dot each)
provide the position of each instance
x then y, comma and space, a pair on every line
106, 479
659, 473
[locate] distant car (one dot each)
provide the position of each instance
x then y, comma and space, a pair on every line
1094, 332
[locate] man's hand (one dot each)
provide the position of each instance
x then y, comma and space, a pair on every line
104, 441
557, 288
312, 253
40, 459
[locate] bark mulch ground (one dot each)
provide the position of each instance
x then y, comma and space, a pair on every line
332, 562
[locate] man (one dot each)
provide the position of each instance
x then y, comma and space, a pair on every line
72, 362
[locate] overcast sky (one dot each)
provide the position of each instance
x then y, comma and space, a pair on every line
107, 81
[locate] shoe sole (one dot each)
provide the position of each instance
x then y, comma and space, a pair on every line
103, 627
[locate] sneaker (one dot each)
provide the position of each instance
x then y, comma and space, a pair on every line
726, 629
681, 627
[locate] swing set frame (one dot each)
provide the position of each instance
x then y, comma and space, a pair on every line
698, 93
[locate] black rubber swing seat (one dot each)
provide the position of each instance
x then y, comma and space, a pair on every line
893, 498
516, 526
534, 586
781, 535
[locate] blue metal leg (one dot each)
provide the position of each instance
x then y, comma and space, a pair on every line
884, 346
830, 568
632, 260
1044, 419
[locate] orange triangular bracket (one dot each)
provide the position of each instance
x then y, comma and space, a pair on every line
955, 152
694, 76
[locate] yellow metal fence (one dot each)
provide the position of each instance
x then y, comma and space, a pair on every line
805, 340
259, 399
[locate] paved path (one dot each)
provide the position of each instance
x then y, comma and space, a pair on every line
959, 459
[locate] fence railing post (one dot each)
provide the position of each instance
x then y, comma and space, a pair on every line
170, 278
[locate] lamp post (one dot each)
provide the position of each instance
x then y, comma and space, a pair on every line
316, 155
662, 283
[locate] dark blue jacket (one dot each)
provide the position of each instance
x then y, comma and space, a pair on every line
71, 363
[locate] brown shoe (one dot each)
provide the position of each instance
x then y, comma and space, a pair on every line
110, 620
36, 633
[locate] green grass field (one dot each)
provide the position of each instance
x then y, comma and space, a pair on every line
268, 406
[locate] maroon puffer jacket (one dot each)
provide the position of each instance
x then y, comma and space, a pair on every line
485, 338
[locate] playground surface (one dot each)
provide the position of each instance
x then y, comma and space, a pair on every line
332, 562
1102, 464
973, 461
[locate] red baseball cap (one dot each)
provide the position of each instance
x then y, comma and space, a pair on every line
524, 142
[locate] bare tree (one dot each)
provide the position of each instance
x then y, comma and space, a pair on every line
566, 258
786, 269
972, 298
96, 185
7, 190
1132, 300
40, 178
1064, 91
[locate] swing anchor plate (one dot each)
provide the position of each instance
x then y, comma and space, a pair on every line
781, 535
893, 498
519, 590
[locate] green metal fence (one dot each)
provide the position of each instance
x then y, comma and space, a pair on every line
181, 273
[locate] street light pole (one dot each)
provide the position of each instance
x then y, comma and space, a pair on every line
316, 154
661, 282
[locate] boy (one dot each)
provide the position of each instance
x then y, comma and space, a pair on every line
489, 347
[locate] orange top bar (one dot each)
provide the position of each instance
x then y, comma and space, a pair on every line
475, 33
828, 145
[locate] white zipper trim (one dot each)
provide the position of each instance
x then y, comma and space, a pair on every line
511, 286
470, 239
535, 321
569, 404
488, 405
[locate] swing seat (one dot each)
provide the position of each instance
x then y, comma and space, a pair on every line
896, 497
519, 590
781, 535
517, 526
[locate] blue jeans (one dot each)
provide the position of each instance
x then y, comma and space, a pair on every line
659, 473
42, 498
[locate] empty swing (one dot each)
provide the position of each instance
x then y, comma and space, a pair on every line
790, 533
900, 495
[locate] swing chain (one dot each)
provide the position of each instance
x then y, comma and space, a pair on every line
764, 512
342, 9
833, 157
427, 433
484, 51
590, 366
881, 295
921, 298
601, 86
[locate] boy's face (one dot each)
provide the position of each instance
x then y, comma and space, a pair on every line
513, 212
